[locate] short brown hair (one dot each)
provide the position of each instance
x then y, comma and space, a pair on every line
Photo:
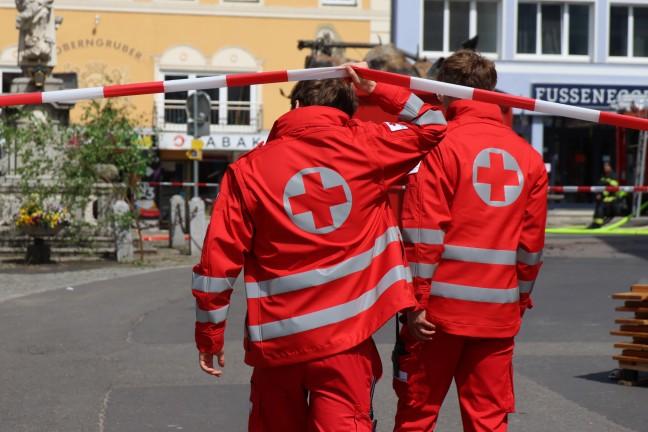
336, 93
468, 68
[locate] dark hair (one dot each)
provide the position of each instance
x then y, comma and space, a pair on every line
468, 68
336, 93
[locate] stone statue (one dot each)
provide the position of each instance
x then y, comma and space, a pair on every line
37, 40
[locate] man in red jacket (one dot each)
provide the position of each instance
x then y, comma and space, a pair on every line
307, 216
474, 216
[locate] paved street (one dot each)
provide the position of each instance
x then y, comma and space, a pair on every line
117, 354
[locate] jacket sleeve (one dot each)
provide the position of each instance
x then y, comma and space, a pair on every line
228, 239
426, 215
399, 146
530, 248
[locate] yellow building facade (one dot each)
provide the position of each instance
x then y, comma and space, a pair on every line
104, 42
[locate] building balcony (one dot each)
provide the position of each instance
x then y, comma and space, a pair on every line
228, 117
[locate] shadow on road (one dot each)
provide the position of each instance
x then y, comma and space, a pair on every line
600, 377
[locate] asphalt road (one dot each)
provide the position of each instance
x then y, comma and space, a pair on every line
118, 354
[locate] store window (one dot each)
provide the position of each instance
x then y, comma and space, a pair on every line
628, 31
447, 24
553, 28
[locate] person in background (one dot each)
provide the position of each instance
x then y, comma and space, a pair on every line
474, 216
307, 216
608, 204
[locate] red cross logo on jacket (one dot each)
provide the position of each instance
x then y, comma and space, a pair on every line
497, 177
317, 200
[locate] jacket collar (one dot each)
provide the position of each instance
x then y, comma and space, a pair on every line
299, 119
469, 108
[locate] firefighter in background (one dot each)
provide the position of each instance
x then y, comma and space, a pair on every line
608, 204
474, 216
307, 216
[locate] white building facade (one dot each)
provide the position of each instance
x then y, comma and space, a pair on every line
587, 53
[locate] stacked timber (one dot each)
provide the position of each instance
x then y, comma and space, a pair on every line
634, 355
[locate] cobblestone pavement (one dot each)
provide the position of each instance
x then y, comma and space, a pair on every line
18, 279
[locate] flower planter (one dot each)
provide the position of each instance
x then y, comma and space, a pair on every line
40, 231
39, 251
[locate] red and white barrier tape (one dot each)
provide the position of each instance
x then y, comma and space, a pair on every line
413, 83
180, 184
525, 103
565, 189
159, 237
561, 189
575, 189
172, 86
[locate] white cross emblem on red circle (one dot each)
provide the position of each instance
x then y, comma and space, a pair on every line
317, 200
497, 177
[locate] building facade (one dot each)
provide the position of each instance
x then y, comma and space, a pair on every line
586, 53
102, 42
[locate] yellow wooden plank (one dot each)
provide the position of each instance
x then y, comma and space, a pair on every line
634, 328
635, 353
630, 359
629, 333
631, 296
639, 288
631, 321
638, 366
642, 310
633, 346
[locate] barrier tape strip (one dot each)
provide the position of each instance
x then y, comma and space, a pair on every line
598, 189
180, 184
559, 189
576, 189
412, 83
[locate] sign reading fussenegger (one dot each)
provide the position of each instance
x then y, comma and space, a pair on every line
587, 95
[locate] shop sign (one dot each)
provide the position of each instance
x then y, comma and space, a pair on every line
586, 95
234, 142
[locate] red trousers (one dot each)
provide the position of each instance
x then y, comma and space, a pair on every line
483, 372
330, 394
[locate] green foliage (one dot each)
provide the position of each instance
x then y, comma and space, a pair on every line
68, 163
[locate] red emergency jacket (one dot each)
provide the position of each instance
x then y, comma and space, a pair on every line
307, 216
474, 217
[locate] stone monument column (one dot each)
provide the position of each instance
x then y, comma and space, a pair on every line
37, 54
37, 39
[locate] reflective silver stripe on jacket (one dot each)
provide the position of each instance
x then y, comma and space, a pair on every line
317, 277
430, 117
424, 236
476, 294
423, 270
330, 315
479, 255
408, 274
531, 258
411, 111
208, 284
526, 286
213, 316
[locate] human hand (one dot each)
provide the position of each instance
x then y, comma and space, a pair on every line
206, 361
362, 84
421, 329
